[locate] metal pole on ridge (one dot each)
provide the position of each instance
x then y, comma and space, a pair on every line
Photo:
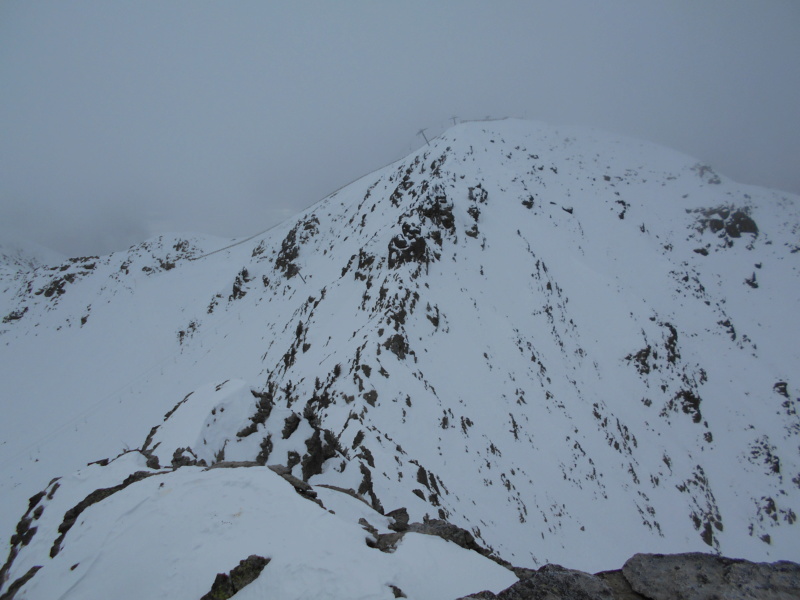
422, 133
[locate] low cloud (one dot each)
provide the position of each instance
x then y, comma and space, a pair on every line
118, 121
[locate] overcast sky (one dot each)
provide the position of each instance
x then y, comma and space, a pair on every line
120, 120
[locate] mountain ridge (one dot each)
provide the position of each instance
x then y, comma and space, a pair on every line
509, 329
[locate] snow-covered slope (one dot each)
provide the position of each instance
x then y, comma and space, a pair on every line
575, 346
17, 255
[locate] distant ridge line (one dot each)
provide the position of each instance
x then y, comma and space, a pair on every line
341, 187
336, 191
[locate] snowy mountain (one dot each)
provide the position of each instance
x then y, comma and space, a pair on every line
573, 347
16, 255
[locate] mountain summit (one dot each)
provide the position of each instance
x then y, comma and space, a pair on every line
570, 347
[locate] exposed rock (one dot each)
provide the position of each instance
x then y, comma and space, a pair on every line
264, 404
398, 593
448, 531
698, 576
348, 491
15, 315
300, 486
281, 470
438, 210
289, 251
368, 526
290, 425
239, 283
167, 416
265, 450
620, 588
23, 535
366, 489
56, 286
553, 582
385, 542
399, 519
727, 222
397, 344
18, 583
234, 464
478, 194
185, 457
320, 447
371, 396
409, 246
34, 500
24, 532
691, 576
226, 585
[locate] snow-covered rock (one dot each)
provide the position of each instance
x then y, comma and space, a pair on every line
167, 534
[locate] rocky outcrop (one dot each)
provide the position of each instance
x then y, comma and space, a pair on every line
226, 585
553, 582
691, 576
705, 576
387, 542
399, 519
300, 486
448, 531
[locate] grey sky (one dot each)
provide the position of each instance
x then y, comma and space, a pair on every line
120, 120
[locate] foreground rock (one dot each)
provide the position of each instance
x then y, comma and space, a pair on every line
553, 582
704, 576
691, 576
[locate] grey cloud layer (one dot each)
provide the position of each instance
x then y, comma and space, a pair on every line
118, 121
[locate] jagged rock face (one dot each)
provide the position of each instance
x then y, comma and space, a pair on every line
693, 576
516, 329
